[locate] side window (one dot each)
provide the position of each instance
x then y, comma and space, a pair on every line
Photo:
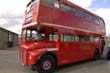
29, 34
77, 38
52, 3
101, 22
34, 2
88, 17
80, 38
67, 8
53, 36
96, 39
67, 37
89, 39
96, 20
80, 14
57, 4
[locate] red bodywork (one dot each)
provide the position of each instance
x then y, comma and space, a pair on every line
64, 22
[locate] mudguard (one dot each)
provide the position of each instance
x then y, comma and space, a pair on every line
34, 55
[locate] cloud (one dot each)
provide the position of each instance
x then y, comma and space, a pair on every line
3, 21
83, 3
105, 13
9, 21
13, 6
11, 14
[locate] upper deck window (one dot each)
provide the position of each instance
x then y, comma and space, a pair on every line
34, 2
67, 8
101, 22
80, 13
51, 3
96, 20
88, 17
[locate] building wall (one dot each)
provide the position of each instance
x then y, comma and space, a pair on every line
4, 39
0, 38
8, 39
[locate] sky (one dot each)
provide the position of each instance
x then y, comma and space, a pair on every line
12, 12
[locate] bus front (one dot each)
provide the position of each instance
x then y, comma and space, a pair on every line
39, 42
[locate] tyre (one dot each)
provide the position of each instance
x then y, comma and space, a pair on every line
47, 64
96, 54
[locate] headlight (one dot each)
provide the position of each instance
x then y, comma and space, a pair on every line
30, 57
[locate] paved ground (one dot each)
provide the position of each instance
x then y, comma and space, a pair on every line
9, 63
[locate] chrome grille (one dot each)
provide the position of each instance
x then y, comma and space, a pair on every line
23, 56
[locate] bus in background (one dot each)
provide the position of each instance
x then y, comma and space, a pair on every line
58, 32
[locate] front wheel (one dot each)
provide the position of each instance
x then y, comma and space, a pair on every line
46, 64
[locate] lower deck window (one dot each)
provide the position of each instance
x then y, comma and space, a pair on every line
67, 38
53, 37
96, 39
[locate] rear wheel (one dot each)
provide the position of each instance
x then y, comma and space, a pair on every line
46, 64
96, 54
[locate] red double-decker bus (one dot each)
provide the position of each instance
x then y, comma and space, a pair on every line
58, 32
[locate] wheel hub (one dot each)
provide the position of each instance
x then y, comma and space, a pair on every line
47, 65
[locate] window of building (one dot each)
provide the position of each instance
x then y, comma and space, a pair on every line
67, 37
53, 36
80, 14
10, 37
96, 20
88, 17
51, 3
67, 8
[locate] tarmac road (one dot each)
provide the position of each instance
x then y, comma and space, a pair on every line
9, 63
